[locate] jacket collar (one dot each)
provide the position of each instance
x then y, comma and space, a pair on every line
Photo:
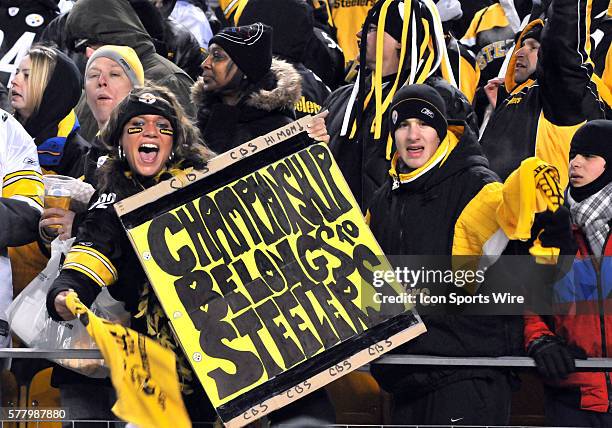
286, 93
439, 157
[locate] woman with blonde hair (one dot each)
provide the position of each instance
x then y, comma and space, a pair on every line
43, 93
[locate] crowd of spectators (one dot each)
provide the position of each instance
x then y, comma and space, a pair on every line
427, 106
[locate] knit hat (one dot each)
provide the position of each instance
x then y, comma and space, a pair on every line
126, 57
291, 36
534, 33
394, 20
593, 138
449, 10
249, 46
140, 102
418, 102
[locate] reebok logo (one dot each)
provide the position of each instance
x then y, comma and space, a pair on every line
427, 112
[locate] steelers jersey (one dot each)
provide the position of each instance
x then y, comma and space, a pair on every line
21, 183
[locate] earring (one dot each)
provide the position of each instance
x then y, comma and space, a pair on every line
120, 150
171, 156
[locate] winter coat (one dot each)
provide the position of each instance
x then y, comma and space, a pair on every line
581, 302
115, 22
418, 217
61, 150
364, 160
224, 127
20, 205
22, 23
541, 116
102, 256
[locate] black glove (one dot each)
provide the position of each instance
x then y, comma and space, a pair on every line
556, 230
553, 357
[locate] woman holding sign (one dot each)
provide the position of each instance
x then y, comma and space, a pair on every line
150, 140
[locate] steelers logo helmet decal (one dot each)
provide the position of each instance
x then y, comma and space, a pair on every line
147, 98
34, 20
394, 117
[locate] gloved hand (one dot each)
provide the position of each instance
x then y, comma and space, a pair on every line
553, 357
556, 230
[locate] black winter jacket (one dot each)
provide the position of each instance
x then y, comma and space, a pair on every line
224, 127
364, 160
418, 218
540, 115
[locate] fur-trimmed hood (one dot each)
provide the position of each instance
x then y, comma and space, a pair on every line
264, 107
286, 93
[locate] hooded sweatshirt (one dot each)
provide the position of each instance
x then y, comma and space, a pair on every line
114, 22
55, 127
540, 115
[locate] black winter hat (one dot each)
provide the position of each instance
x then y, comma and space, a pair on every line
393, 20
291, 36
419, 102
593, 138
534, 33
249, 46
141, 101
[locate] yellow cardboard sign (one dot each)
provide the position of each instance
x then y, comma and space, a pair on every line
266, 272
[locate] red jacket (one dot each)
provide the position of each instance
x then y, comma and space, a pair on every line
582, 303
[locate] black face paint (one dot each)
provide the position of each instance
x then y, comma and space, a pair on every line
134, 130
166, 131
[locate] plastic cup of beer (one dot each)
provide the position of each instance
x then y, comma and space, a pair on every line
58, 192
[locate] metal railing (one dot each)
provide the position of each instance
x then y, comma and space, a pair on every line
590, 363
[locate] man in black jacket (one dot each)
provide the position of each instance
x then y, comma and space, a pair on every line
550, 92
357, 119
436, 172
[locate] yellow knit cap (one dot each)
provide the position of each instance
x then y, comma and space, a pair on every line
126, 57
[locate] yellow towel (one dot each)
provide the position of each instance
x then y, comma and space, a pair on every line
142, 371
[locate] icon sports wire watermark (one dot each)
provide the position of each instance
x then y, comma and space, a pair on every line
506, 285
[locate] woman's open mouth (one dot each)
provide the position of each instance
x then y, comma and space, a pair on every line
147, 152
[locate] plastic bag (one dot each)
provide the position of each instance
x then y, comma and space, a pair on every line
30, 321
